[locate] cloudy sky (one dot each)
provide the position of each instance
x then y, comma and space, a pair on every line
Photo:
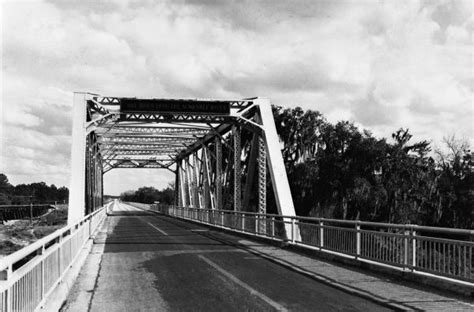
382, 64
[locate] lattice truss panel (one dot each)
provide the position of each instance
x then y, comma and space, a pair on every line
218, 150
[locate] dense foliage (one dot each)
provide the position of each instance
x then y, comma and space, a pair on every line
149, 195
338, 171
36, 193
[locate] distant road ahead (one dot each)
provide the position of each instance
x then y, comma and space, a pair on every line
155, 263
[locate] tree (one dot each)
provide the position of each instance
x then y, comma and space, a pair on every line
5, 189
37, 193
338, 171
299, 132
455, 185
149, 195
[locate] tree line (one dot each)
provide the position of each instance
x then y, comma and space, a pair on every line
339, 171
34, 193
150, 195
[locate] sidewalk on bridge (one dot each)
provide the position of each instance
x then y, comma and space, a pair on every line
396, 294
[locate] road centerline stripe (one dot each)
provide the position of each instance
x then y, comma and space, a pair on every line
158, 229
253, 291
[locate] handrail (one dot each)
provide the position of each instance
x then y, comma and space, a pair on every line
29, 275
410, 247
27, 250
443, 230
26, 205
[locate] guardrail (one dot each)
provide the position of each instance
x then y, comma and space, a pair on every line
439, 251
29, 275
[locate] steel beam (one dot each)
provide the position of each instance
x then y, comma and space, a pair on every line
251, 170
281, 187
237, 168
218, 178
177, 194
208, 196
262, 176
77, 188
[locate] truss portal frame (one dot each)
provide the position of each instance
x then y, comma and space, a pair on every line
219, 150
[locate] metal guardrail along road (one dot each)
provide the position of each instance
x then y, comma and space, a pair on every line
28, 276
439, 251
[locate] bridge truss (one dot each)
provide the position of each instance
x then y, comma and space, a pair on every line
219, 150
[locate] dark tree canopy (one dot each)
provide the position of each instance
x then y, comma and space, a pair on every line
149, 195
36, 193
339, 171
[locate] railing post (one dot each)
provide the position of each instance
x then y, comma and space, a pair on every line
406, 235
273, 227
242, 216
5, 278
321, 234
357, 240
41, 252
413, 249
60, 249
222, 218
256, 224
293, 229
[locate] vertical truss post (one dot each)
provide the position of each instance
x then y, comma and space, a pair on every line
207, 196
281, 187
262, 183
182, 184
189, 182
218, 178
250, 177
97, 175
196, 181
100, 181
177, 186
237, 168
88, 192
77, 185
96, 182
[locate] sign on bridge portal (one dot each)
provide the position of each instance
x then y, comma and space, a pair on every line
174, 106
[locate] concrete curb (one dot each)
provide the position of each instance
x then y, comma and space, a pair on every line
332, 283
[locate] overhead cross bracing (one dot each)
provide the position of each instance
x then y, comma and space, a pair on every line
122, 139
219, 150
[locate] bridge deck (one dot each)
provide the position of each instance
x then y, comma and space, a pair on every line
144, 262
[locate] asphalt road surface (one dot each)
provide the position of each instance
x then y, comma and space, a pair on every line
155, 263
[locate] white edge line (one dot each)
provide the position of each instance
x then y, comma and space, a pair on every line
274, 304
158, 229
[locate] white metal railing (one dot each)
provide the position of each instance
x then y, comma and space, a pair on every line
439, 251
29, 275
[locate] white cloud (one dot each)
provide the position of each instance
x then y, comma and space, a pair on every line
383, 65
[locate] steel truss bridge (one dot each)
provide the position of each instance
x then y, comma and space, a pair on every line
219, 150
